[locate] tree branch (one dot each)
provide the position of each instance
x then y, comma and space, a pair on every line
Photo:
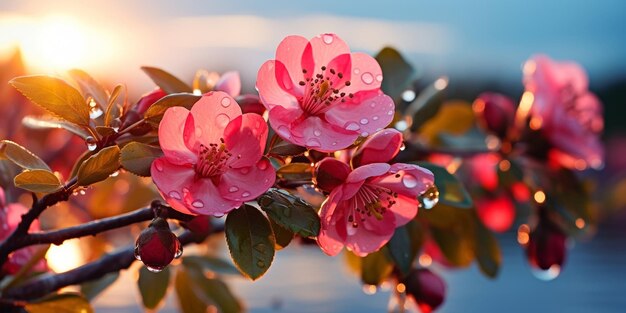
116, 261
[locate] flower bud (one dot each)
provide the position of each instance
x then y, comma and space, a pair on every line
546, 249
147, 100
250, 104
426, 288
199, 225
157, 246
495, 112
496, 213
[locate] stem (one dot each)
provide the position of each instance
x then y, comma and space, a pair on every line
116, 261
93, 228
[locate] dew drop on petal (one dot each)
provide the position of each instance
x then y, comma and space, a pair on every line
233, 189
328, 39
352, 126
198, 131
334, 143
244, 170
351, 230
313, 143
365, 134
284, 131
367, 78
375, 118
364, 121
159, 165
225, 102
390, 112
373, 104
409, 181
357, 71
174, 194
317, 132
218, 215
379, 78
262, 165
245, 194
222, 120
198, 204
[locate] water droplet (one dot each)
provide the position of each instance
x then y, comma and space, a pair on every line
137, 256
351, 230
379, 78
402, 147
222, 120
244, 170
313, 143
198, 131
91, 142
409, 181
365, 134
245, 194
233, 189
262, 165
115, 124
357, 71
328, 39
372, 104
174, 195
260, 264
179, 251
375, 117
367, 78
114, 174
547, 275
198, 204
390, 112
218, 215
157, 269
334, 143
159, 165
261, 248
225, 102
430, 197
364, 121
284, 131
352, 126
95, 112
317, 132
408, 95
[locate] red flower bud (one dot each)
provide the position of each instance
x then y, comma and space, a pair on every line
426, 288
199, 225
495, 112
157, 246
546, 249
330, 173
250, 104
497, 213
147, 100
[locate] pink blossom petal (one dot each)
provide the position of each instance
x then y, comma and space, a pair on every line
330, 173
379, 148
342, 64
364, 172
404, 210
311, 132
406, 179
212, 113
2, 204
284, 80
322, 49
365, 241
247, 183
382, 226
365, 118
366, 73
331, 237
245, 138
206, 199
229, 83
171, 136
172, 181
289, 53
270, 92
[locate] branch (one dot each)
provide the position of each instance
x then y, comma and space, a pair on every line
93, 228
119, 260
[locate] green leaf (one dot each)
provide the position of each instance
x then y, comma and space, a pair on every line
38, 181
112, 110
451, 190
250, 241
21, 156
54, 95
105, 131
290, 212
282, 235
212, 264
155, 112
90, 87
153, 286
166, 81
137, 157
375, 267
404, 245
188, 301
487, 249
457, 243
92, 289
99, 166
296, 171
213, 291
285, 148
49, 122
61, 303
397, 72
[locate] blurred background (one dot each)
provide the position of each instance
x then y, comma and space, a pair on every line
479, 45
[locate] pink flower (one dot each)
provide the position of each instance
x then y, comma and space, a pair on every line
568, 114
230, 83
369, 199
321, 96
213, 156
10, 217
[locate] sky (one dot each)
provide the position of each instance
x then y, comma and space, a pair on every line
489, 39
